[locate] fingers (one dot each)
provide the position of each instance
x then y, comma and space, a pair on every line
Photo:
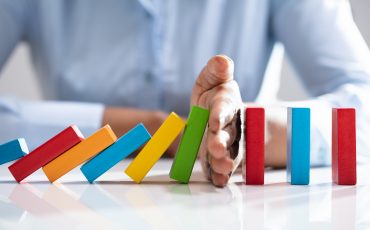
223, 101
223, 165
219, 180
217, 143
223, 106
219, 165
219, 69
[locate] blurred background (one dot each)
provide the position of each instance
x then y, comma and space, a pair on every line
19, 68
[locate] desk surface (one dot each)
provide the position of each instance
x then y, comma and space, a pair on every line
159, 203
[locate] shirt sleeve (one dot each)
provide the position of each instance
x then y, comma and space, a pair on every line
36, 121
12, 28
39, 121
332, 59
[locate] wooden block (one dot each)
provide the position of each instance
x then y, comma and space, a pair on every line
155, 148
254, 146
13, 150
344, 146
123, 147
85, 150
187, 151
298, 146
45, 153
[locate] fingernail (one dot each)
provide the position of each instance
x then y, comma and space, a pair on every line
227, 57
221, 59
230, 63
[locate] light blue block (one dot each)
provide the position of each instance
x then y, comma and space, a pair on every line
13, 150
298, 146
123, 147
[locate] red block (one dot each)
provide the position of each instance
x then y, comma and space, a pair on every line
344, 146
46, 153
254, 146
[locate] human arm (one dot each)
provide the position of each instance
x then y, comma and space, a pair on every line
332, 60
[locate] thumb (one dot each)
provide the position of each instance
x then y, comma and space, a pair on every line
219, 69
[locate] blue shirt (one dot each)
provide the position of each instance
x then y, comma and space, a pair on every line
147, 54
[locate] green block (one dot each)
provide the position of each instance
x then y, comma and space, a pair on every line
187, 152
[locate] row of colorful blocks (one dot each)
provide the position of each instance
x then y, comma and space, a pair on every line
102, 150
298, 146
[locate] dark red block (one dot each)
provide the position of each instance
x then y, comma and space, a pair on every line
46, 153
344, 146
254, 146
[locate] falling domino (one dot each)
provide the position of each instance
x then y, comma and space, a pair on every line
186, 155
13, 150
123, 147
155, 148
254, 146
45, 153
298, 146
80, 153
344, 146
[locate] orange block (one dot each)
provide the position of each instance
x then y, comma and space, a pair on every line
80, 153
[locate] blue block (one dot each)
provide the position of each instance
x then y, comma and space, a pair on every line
123, 147
298, 146
13, 150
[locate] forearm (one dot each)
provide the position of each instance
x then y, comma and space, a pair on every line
275, 134
275, 138
123, 119
349, 95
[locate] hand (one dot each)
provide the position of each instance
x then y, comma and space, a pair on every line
216, 90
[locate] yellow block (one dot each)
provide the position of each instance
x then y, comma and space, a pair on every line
80, 153
155, 148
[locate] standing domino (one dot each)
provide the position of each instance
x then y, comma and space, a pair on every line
254, 165
123, 147
187, 152
13, 150
85, 150
45, 153
155, 148
298, 146
344, 146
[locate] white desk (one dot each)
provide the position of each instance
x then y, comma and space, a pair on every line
159, 203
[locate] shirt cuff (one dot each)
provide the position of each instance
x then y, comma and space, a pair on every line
42, 120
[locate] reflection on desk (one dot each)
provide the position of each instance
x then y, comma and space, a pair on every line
160, 203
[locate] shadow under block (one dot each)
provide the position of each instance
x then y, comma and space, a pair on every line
155, 148
123, 147
80, 153
46, 152
254, 146
13, 150
298, 146
344, 146
187, 151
